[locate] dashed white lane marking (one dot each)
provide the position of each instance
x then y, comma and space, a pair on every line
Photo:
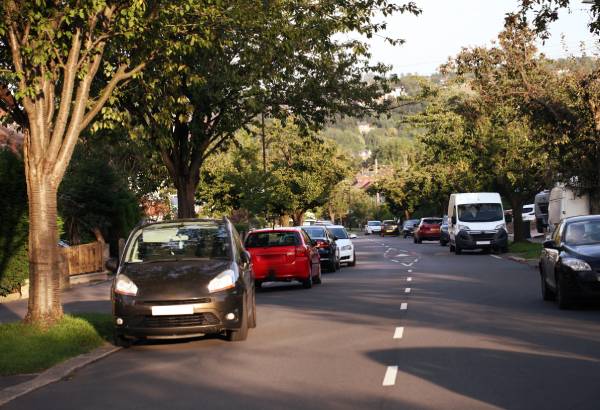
403, 306
407, 264
399, 332
496, 256
401, 255
409, 279
410, 271
394, 260
390, 376
407, 290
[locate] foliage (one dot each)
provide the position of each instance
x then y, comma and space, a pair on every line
29, 348
526, 249
14, 266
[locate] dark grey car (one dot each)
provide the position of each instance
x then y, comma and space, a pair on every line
183, 278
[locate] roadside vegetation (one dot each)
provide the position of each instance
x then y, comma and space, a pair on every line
28, 348
526, 249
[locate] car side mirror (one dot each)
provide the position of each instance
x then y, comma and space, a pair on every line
453, 220
549, 245
112, 265
335, 238
353, 236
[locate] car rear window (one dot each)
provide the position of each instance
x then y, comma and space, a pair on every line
432, 221
272, 239
315, 232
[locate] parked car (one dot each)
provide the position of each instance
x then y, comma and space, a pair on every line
390, 227
325, 243
570, 261
283, 255
428, 230
183, 278
408, 227
477, 221
444, 235
344, 244
372, 227
528, 213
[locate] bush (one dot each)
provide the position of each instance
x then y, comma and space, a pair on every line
14, 263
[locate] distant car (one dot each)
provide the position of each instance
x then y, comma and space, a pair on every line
390, 227
408, 227
175, 284
344, 244
428, 230
570, 261
283, 255
325, 243
444, 235
372, 227
528, 213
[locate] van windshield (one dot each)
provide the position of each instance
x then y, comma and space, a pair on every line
480, 212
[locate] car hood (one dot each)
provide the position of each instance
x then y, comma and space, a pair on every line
589, 253
174, 280
343, 242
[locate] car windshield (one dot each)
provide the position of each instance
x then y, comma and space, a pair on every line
480, 212
411, 223
374, 223
432, 221
583, 233
389, 222
339, 233
178, 241
527, 210
315, 232
272, 239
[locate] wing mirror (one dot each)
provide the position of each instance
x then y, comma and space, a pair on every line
112, 265
549, 245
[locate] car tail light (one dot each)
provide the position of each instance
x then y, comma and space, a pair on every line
301, 251
321, 244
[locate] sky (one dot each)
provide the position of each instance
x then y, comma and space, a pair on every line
445, 26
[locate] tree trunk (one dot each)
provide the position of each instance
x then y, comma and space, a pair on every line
298, 218
44, 271
186, 197
284, 220
517, 206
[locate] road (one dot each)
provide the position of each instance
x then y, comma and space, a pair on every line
474, 334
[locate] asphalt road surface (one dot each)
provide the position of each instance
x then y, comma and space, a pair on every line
410, 327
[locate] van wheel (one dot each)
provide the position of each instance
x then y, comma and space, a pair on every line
120, 340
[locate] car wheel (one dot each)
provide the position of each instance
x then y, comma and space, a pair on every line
353, 263
252, 320
414, 239
318, 279
563, 299
307, 283
258, 284
405, 236
452, 248
457, 250
504, 249
547, 293
331, 266
241, 334
120, 340
338, 264
420, 240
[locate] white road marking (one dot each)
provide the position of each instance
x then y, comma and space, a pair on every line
390, 376
496, 256
409, 279
401, 255
394, 260
407, 290
410, 271
399, 333
403, 306
407, 264
416, 260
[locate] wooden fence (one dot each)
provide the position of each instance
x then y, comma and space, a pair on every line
86, 258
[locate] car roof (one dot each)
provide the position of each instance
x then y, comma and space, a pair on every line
336, 226
281, 229
582, 218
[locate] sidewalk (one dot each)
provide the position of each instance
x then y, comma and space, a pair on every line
90, 297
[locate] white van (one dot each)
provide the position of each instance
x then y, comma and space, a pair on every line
476, 221
564, 203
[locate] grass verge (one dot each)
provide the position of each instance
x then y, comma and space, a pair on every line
527, 250
29, 349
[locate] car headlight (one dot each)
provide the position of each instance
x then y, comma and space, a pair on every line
125, 286
501, 226
224, 280
576, 264
463, 228
347, 247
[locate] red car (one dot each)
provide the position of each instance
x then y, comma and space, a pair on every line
428, 230
283, 255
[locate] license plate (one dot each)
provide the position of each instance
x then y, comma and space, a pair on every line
484, 242
173, 310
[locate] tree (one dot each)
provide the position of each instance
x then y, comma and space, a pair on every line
59, 65
225, 71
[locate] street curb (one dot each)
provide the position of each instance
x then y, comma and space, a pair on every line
56, 373
518, 259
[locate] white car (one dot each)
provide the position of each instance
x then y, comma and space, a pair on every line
372, 227
528, 213
344, 244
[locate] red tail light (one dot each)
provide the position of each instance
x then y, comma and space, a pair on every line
321, 244
301, 251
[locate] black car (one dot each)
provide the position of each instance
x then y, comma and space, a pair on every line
390, 227
444, 235
408, 228
324, 241
183, 278
570, 261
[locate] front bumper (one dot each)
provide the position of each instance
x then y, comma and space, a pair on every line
584, 284
347, 255
393, 231
209, 315
482, 239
